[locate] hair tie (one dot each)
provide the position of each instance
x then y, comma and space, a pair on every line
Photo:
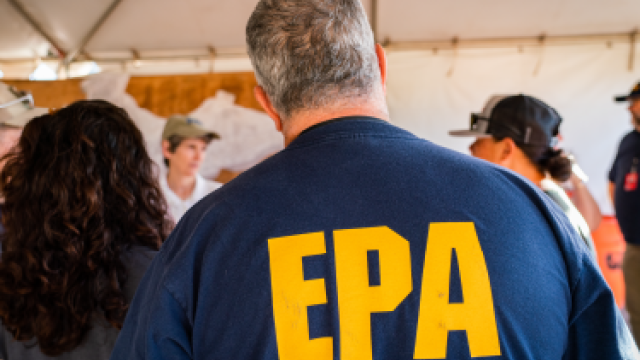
549, 154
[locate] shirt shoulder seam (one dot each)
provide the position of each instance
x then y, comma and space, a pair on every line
191, 233
347, 135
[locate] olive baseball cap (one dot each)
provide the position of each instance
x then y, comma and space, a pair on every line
186, 127
525, 119
16, 107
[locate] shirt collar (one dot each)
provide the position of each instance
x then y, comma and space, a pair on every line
199, 188
350, 125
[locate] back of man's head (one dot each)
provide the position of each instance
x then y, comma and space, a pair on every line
313, 54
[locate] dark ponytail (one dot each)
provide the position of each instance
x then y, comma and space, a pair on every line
556, 163
546, 159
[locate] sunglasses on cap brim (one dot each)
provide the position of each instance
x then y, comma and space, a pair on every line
479, 123
26, 100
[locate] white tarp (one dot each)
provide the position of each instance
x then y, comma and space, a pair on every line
579, 81
246, 136
430, 94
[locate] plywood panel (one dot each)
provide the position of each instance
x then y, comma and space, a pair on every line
168, 95
162, 95
51, 94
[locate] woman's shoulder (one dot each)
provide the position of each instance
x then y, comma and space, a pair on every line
139, 254
137, 259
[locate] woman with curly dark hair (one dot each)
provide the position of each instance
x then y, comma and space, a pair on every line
84, 216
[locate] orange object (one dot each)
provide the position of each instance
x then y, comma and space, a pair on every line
610, 247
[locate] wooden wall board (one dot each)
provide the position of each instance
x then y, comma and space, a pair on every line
181, 94
162, 95
51, 94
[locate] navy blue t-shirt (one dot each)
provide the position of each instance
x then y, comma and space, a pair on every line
626, 198
362, 241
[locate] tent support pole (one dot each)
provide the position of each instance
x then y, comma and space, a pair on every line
542, 40
36, 26
515, 42
68, 59
632, 50
454, 60
518, 43
212, 58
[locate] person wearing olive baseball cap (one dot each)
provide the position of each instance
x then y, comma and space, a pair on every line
184, 142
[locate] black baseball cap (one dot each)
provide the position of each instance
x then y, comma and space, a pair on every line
635, 93
523, 118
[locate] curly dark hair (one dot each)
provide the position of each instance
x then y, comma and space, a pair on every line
80, 190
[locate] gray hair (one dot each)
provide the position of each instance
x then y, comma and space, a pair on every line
311, 54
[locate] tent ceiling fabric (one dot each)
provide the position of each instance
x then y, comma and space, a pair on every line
184, 24
17, 38
197, 24
429, 20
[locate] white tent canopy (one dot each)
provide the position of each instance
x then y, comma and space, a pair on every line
573, 54
157, 28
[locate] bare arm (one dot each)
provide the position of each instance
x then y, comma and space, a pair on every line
612, 193
585, 203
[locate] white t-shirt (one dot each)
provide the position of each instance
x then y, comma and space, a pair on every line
177, 206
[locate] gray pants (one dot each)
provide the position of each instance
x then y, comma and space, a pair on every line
631, 272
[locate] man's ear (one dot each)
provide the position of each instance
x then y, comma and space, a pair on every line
264, 101
382, 63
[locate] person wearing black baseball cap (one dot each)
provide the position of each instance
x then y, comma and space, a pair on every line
520, 133
623, 189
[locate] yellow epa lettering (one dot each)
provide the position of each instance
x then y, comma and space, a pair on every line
292, 295
437, 317
357, 300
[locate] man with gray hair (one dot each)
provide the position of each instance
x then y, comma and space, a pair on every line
362, 241
301, 79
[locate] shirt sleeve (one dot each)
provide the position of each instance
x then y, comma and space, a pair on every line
613, 171
596, 328
156, 326
3, 345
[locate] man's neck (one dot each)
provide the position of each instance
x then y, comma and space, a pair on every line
182, 186
303, 120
